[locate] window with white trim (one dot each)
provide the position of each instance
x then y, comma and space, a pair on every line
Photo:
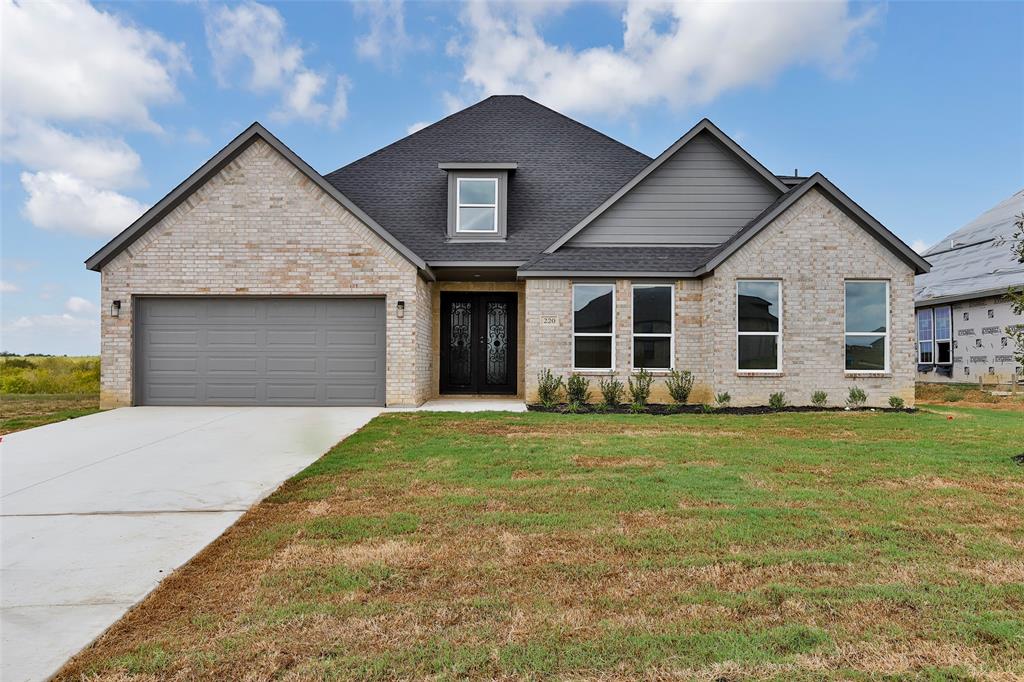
758, 325
867, 326
593, 327
925, 349
652, 326
944, 335
476, 209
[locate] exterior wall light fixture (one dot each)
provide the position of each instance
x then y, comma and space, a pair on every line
401, 310
115, 309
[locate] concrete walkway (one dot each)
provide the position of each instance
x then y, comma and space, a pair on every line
466, 404
95, 511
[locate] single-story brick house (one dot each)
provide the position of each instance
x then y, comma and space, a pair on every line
501, 241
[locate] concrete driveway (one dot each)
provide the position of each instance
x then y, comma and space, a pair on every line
94, 512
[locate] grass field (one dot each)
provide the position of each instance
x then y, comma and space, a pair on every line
21, 412
441, 546
37, 390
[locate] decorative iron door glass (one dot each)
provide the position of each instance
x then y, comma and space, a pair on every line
478, 343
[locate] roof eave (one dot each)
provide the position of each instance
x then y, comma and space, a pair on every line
664, 274
850, 207
163, 207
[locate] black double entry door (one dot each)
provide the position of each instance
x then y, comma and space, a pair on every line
478, 342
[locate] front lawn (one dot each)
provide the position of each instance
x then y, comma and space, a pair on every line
20, 412
787, 546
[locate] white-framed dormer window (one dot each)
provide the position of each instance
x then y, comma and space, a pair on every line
476, 210
653, 326
593, 326
925, 337
867, 326
758, 325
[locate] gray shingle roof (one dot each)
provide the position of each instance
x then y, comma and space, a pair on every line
640, 259
565, 170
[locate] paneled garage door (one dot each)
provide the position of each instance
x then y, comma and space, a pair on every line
259, 351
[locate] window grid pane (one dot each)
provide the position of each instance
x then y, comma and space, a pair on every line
477, 192
592, 309
477, 219
757, 306
652, 310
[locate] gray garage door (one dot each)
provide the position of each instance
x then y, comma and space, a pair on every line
259, 351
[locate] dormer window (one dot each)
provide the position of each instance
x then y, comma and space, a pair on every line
477, 199
477, 206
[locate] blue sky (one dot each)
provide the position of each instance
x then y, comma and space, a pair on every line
916, 110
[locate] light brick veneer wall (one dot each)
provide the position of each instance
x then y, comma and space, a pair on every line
813, 248
260, 227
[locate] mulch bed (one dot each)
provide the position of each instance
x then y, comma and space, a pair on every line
661, 409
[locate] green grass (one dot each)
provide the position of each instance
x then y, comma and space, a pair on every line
20, 412
786, 546
37, 390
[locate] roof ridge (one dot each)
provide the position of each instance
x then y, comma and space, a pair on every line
578, 123
477, 104
416, 132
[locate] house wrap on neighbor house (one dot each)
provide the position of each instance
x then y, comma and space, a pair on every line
501, 241
962, 308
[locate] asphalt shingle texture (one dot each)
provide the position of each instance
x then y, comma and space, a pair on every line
633, 259
565, 171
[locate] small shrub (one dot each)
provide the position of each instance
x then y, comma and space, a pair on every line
953, 395
601, 407
723, 399
637, 408
577, 389
640, 387
777, 401
896, 402
857, 397
612, 390
548, 388
574, 407
679, 385
819, 398
707, 408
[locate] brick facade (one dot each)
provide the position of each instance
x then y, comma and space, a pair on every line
260, 227
812, 248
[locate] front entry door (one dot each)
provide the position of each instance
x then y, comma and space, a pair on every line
478, 342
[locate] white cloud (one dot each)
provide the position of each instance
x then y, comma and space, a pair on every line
68, 61
52, 333
103, 161
8, 287
196, 136
416, 127
77, 304
249, 42
387, 40
339, 107
58, 201
920, 245
680, 53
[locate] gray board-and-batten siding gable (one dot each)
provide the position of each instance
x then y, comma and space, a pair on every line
700, 197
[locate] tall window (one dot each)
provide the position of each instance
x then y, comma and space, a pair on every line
867, 326
925, 351
758, 325
944, 335
593, 312
652, 326
477, 209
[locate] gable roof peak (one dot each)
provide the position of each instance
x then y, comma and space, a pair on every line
703, 126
